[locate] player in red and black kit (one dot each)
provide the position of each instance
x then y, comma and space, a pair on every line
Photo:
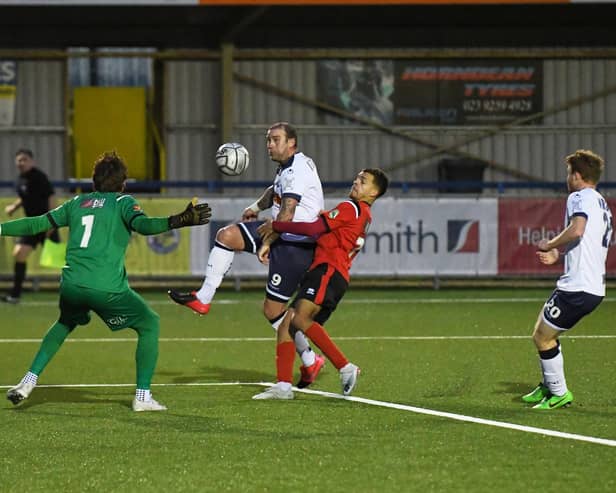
340, 236
35, 193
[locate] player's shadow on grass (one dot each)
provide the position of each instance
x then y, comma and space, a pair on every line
204, 427
185, 423
516, 389
71, 395
220, 374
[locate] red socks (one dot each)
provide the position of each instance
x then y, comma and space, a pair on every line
285, 355
319, 336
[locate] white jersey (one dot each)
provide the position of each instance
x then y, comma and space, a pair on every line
299, 179
585, 259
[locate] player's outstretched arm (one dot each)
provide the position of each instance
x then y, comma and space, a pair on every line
26, 226
193, 215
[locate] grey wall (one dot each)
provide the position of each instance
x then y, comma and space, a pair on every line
192, 115
341, 149
39, 120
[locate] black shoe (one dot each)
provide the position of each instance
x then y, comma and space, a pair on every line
13, 300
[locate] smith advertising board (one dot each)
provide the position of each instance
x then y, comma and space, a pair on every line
407, 237
432, 236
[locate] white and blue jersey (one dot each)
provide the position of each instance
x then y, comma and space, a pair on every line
298, 178
585, 259
290, 255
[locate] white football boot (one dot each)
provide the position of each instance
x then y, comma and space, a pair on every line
278, 391
149, 405
20, 392
348, 377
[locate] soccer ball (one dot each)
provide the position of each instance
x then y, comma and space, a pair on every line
232, 159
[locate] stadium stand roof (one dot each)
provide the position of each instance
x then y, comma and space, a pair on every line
318, 26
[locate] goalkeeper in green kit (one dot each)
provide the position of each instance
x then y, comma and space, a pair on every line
94, 277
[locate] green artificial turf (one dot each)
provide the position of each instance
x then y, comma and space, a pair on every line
464, 352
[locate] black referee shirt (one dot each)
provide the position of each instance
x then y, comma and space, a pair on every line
34, 190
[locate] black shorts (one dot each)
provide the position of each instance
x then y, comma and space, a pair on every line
564, 309
34, 240
288, 262
324, 286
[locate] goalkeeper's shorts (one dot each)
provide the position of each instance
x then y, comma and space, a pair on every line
117, 310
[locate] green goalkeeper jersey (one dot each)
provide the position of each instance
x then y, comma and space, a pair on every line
100, 226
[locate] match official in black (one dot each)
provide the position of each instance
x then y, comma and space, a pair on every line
36, 196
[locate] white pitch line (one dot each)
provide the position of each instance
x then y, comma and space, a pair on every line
102, 385
342, 338
370, 402
462, 417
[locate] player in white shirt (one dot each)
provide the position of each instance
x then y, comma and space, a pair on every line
296, 195
585, 239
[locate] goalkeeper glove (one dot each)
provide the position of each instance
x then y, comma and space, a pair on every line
194, 215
